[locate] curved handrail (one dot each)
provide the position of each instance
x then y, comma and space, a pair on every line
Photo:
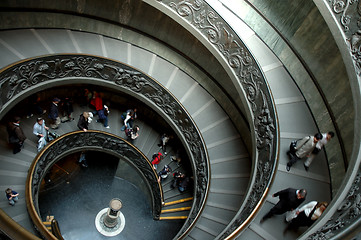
217, 36
90, 140
56, 230
17, 82
13, 229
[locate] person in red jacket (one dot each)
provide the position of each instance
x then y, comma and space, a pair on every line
156, 159
97, 102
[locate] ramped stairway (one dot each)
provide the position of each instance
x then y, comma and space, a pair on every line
295, 122
230, 163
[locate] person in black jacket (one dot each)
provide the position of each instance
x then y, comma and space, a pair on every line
54, 114
289, 199
16, 135
83, 121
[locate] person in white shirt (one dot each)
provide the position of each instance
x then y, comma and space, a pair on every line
326, 137
41, 131
307, 214
303, 148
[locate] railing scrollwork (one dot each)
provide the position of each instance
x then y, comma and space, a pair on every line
220, 35
90, 140
27, 75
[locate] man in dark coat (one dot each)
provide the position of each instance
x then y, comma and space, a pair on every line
16, 135
289, 199
54, 114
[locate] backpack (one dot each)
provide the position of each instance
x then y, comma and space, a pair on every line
154, 155
124, 115
294, 144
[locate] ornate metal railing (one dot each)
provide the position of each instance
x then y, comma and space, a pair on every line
220, 37
22, 79
90, 140
342, 220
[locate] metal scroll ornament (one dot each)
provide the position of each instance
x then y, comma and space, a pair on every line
98, 141
349, 211
218, 33
349, 14
347, 214
19, 78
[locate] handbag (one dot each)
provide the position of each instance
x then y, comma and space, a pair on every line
291, 215
294, 144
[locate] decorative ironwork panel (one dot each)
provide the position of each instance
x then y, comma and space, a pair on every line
348, 212
94, 140
20, 77
348, 12
219, 34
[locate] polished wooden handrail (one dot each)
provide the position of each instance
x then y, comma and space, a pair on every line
56, 230
13, 230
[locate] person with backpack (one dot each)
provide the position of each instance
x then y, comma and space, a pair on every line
326, 137
132, 133
156, 158
163, 174
103, 116
16, 135
128, 118
302, 148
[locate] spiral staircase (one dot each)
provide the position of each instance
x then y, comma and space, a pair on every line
227, 144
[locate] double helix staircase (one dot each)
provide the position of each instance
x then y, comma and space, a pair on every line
230, 163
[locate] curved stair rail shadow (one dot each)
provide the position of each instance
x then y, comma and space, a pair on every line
208, 26
90, 140
22, 79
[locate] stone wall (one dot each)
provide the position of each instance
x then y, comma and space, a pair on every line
328, 94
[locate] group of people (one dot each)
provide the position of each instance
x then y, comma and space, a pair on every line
94, 101
289, 201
